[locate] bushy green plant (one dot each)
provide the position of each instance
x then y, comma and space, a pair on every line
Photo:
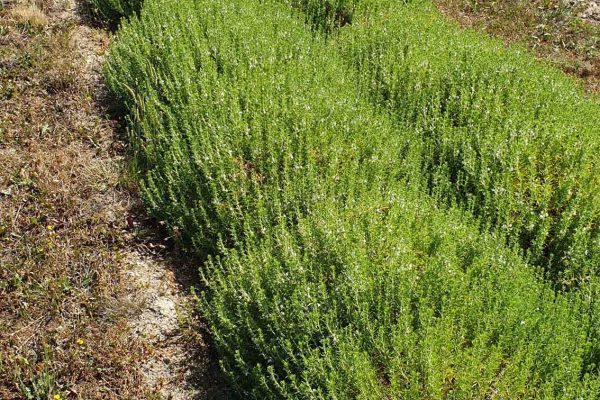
506, 137
235, 130
332, 275
405, 303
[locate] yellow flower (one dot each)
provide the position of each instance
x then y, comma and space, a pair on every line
50, 227
56, 397
80, 342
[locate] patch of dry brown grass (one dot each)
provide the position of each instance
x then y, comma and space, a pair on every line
551, 28
29, 16
63, 220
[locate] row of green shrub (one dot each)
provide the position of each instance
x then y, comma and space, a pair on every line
330, 273
508, 138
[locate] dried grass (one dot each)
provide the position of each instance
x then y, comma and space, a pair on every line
63, 210
29, 15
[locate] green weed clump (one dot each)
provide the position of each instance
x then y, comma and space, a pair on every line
330, 274
114, 10
508, 138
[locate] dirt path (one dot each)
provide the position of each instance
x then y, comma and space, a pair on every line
92, 304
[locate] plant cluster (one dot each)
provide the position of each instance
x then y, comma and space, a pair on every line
335, 183
504, 136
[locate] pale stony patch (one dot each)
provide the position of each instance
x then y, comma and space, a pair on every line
157, 325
